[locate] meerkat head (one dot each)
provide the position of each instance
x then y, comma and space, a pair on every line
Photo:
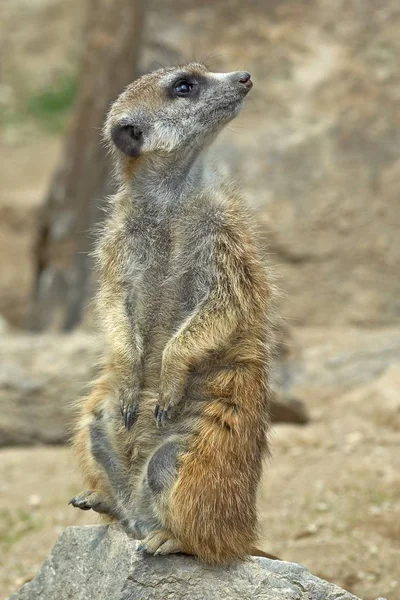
180, 107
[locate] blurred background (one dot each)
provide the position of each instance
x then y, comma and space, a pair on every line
316, 152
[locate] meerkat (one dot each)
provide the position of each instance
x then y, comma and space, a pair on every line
172, 436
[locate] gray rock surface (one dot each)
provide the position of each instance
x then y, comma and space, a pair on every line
100, 562
42, 376
286, 409
338, 358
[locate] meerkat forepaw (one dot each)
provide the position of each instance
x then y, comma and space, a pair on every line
169, 399
163, 413
90, 500
129, 414
130, 406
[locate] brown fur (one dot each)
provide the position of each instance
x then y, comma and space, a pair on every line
210, 365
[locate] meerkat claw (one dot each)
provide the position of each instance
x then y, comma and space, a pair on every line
170, 411
164, 418
163, 415
129, 413
168, 414
90, 500
160, 417
77, 503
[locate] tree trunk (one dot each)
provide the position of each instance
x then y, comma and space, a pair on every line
112, 42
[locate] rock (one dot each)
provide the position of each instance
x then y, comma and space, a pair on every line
337, 358
378, 402
101, 562
286, 409
40, 378
316, 147
4, 326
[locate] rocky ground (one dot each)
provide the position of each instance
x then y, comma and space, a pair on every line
317, 155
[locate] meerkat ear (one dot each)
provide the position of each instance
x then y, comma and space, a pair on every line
128, 138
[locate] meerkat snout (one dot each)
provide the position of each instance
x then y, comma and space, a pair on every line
245, 78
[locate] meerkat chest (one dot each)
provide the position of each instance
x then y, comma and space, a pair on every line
148, 242
170, 245
191, 264
168, 262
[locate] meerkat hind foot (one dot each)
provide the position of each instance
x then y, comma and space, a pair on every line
160, 543
90, 500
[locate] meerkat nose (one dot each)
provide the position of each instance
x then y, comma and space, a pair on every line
245, 79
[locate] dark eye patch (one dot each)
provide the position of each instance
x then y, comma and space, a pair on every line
185, 86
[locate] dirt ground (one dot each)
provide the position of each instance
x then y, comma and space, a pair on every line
330, 497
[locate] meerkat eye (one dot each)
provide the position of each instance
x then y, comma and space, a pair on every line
183, 87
